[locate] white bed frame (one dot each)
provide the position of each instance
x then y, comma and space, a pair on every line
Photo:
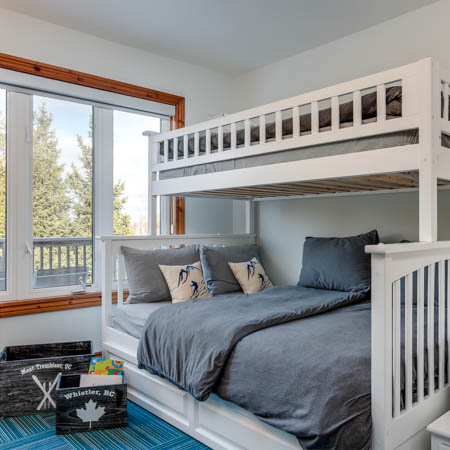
222, 425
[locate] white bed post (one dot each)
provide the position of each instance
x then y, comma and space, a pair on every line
249, 216
164, 201
381, 364
430, 135
107, 280
151, 198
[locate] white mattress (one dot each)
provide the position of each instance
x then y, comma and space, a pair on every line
131, 318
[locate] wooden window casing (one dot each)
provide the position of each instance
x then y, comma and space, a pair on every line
18, 64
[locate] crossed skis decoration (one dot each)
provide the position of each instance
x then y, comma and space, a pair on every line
47, 399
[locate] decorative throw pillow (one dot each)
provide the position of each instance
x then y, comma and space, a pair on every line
185, 282
145, 280
251, 276
217, 272
339, 264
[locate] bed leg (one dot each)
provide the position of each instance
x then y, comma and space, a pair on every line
381, 353
430, 135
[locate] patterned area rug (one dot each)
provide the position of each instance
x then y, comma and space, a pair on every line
144, 431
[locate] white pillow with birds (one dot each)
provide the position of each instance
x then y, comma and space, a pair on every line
251, 276
185, 282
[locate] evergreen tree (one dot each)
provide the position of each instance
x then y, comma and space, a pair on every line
62, 205
51, 200
121, 220
79, 182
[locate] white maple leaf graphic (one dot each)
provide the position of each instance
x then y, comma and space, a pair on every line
90, 413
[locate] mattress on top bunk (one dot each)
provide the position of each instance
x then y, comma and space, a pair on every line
368, 110
396, 139
131, 318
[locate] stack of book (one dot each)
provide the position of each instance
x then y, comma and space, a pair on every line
103, 372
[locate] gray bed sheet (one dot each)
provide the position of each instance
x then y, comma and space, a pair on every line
396, 139
131, 318
286, 354
298, 358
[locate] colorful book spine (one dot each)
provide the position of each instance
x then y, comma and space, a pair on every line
102, 366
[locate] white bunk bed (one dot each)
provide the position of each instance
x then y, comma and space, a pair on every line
421, 165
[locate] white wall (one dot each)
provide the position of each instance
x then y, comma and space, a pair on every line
283, 225
209, 216
407, 38
205, 91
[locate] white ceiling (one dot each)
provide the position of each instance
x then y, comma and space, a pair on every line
230, 36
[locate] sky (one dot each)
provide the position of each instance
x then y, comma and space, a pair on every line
129, 146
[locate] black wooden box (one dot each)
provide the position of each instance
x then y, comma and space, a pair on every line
89, 408
29, 374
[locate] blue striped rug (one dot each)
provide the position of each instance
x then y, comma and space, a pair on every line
144, 431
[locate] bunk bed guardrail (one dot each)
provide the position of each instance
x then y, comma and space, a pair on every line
410, 339
315, 104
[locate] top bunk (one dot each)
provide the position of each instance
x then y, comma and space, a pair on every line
379, 132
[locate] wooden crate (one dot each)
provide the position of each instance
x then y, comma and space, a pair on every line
89, 408
29, 374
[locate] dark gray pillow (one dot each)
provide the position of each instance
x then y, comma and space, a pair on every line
339, 264
216, 271
146, 283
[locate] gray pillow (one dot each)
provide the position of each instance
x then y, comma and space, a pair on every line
146, 283
339, 264
216, 271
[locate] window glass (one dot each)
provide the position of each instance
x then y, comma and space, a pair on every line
2, 189
131, 172
62, 193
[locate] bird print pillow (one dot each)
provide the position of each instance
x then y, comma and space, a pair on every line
185, 282
251, 276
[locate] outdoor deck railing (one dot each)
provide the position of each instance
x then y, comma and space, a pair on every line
65, 261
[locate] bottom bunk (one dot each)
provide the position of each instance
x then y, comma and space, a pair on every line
306, 361
217, 423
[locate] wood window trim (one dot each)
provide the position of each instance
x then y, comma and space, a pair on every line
177, 215
44, 70
28, 66
61, 303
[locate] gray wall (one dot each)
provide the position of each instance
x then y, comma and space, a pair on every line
283, 225
404, 39
209, 216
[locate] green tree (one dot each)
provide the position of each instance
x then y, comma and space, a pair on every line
79, 181
62, 204
121, 220
51, 200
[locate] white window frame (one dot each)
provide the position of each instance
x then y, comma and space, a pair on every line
19, 160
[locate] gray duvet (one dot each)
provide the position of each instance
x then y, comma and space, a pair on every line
298, 358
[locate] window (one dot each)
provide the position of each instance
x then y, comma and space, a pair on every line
131, 172
2, 190
62, 193
62, 138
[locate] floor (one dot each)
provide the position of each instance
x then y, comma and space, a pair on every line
144, 431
